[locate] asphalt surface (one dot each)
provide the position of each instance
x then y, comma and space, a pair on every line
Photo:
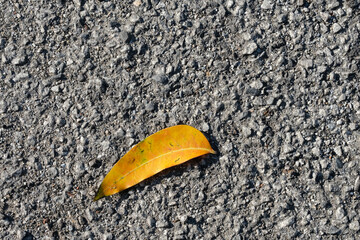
274, 86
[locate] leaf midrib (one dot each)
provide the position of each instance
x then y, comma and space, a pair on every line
153, 159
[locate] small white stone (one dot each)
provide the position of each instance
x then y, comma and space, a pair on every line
250, 48
205, 127
354, 225
267, 5
336, 28
286, 222
137, 3
338, 151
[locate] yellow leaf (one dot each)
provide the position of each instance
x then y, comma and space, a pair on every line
164, 149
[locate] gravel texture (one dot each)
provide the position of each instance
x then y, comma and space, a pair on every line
274, 85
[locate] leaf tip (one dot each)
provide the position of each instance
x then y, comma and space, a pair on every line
99, 194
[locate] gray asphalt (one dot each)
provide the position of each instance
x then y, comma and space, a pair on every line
274, 86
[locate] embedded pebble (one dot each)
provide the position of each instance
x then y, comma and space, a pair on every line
338, 151
286, 222
267, 4
357, 184
250, 48
205, 127
354, 225
336, 28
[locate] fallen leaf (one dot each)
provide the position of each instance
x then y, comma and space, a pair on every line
164, 149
